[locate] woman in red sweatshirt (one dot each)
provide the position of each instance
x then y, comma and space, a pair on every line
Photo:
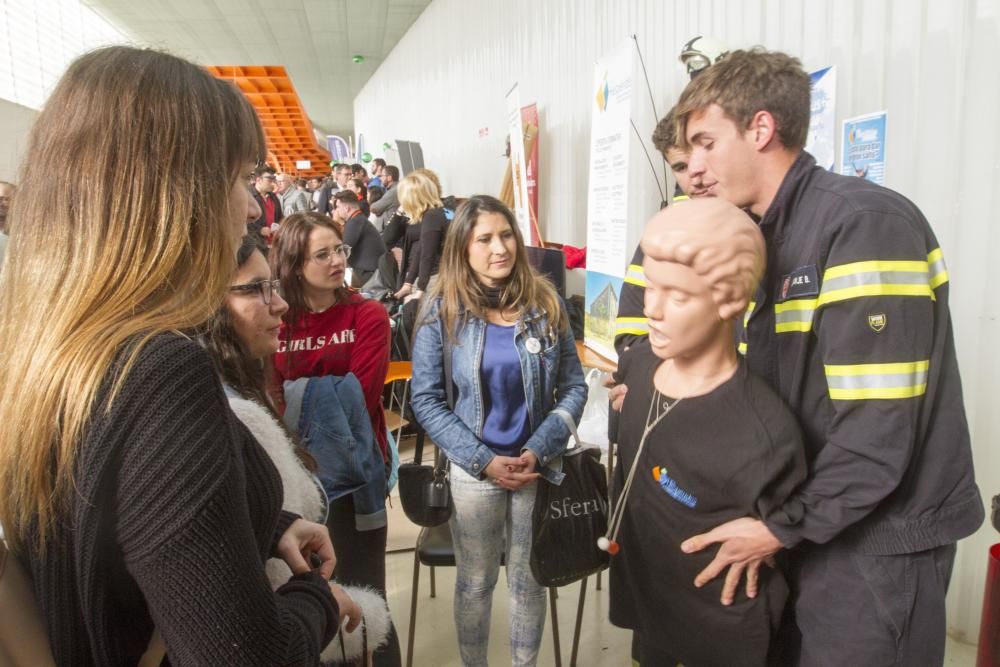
332, 330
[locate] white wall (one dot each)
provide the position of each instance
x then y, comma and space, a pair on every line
931, 63
15, 123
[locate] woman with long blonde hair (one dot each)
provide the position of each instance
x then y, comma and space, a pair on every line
420, 199
516, 378
135, 496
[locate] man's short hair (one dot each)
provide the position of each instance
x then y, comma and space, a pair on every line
343, 166
348, 198
746, 82
300, 182
263, 170
379, 161
665, 134
393, 171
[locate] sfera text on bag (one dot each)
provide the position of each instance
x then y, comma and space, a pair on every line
565, 507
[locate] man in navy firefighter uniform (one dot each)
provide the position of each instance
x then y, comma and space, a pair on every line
851, 327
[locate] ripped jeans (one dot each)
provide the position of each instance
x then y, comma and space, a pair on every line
484, 515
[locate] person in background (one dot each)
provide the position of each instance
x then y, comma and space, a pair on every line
357, 186
270, 207
293, 200
427, 223
514, 369
366, 247
386, 207
359, 172
131, 491
332, 330
378, 164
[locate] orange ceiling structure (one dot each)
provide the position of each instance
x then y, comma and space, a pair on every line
287, 127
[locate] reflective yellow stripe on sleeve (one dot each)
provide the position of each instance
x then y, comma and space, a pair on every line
742, 346
742, 349
936, 268
635, 276
875, 278
863, 279
637, 326
794, 315
855, 382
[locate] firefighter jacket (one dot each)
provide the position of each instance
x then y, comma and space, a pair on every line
630, 324
851, 327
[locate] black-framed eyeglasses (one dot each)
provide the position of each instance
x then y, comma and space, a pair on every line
263, 287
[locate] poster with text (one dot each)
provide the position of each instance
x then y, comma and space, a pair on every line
822, 139
862, 151
607, 195
517, 164
529, 120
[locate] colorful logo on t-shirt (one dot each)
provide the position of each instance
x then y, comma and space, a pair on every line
668, 484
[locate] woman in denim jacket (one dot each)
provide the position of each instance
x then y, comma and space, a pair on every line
513, 366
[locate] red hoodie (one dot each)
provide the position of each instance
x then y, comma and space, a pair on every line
351, 337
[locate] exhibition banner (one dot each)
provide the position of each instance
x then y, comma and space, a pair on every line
862, 152
517, 163
529, 121
607, 195
822, 139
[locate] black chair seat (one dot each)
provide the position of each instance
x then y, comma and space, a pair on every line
434, 547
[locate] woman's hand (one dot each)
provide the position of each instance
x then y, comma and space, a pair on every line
403, 291
348, 607
512, 473
303, 540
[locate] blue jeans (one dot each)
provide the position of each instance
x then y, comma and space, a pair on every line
484, 514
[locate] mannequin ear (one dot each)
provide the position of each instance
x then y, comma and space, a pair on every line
763, 129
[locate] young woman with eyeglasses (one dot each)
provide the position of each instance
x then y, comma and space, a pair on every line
332, 330
130, 489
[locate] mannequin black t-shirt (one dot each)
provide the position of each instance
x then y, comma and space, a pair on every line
734, 452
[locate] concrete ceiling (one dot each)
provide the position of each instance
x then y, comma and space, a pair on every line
313, 39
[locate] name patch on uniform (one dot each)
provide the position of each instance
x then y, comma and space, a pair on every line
802, 282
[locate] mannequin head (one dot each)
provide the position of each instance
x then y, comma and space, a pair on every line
703, 261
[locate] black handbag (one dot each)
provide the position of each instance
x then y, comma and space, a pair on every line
569, 518
424, 490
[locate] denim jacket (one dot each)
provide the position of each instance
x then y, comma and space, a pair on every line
553, 381
329, 415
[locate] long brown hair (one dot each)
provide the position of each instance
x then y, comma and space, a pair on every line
123, 231
289, 254
460, 291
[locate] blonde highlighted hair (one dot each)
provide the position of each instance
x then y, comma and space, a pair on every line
419, 193
460, 291
124, 230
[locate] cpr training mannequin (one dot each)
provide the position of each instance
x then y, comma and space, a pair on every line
728, 447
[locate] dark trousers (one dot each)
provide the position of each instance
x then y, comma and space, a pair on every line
361, 561
878, 611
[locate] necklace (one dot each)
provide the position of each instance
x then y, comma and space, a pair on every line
659, 408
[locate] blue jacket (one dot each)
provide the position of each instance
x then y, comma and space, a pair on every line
553, 381
329, 414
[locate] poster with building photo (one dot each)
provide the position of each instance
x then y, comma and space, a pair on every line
607, 195
862, 150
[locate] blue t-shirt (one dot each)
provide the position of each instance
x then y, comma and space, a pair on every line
506, 427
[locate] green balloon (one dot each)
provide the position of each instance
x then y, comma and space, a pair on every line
386, 146
366, 157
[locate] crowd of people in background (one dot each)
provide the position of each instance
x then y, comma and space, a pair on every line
197, 365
